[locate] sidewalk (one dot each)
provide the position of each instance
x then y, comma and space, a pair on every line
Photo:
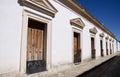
79, 69
76, 69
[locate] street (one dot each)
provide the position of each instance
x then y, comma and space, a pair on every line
111, 68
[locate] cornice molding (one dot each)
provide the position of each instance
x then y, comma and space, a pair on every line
93, 30
75, 6
77, 22
43, 6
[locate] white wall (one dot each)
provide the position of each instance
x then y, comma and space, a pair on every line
114, 46
10, 32
62, 38
118, 46
62, 48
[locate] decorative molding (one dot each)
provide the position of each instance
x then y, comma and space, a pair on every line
77, 22
110, 39
38, 18
107, 37
43, 6
93, 30
102, 34
75, 6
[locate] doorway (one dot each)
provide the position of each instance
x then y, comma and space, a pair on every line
106, 48
36, 47
113, 47
101, 47
92, 48
77, 50
110, 48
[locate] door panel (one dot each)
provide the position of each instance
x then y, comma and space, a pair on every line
36, 61
77, 51
106, 48
101, 47
110, 48
93, 47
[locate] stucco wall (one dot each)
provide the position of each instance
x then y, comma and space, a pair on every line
61, 52
62, 46
10, 35
62, 36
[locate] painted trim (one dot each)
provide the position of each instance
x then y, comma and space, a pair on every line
93, 30
43, 6
23, 54
79, 31
77, 22
76, 7
102, 34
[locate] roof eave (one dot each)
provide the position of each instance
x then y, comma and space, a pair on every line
75, 6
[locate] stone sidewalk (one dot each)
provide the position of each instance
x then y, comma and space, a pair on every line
76, 69
73, 71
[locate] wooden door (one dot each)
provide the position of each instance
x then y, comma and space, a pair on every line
101, 47
107, 48
92, 47
77, 51
110, 48
36, 53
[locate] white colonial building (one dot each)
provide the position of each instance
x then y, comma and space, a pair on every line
43, 35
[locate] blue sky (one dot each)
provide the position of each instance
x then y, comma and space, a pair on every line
106, 11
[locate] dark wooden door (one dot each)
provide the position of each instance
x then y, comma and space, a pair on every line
110, 48
93, 47
101, 48
107, 48
77, 50
36, 55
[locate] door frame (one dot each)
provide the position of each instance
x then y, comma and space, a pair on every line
93, 48
79, 31
107, 47
113, 45
110, 46
101, 48
76, 57
23, 49
93, 36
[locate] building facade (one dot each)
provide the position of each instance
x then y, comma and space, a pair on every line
43, 35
